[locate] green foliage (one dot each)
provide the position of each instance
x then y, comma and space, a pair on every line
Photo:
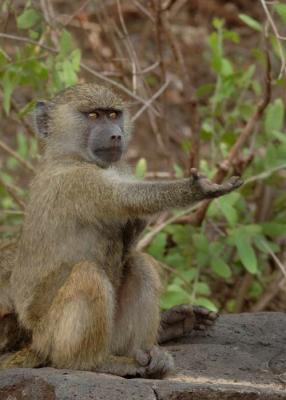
141, 168
232, 241
28, 19
251, 22
37, 67
46, 72
281, 11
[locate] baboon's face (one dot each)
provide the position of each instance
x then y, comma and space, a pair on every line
86, 120
105, 140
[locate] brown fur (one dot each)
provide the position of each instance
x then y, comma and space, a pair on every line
88, 297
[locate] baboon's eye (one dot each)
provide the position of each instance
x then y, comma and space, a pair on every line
113, 115
93, 115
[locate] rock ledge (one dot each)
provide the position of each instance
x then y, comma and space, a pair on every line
242, 357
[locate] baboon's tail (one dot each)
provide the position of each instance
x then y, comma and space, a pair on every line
25, 358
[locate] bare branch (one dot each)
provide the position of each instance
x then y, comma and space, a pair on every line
278, 37
13, 193
83, 66
150, 101
14, 154
223, 168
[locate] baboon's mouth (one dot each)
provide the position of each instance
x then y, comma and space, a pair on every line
109, 153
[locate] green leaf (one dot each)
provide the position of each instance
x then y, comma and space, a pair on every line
8, 84
256, 290
273, 229
179, 172
231, 305
215, 248
75, 59
3, 58
245, 251
265, 246
28, 19
251, 230
141, 168
172, 296
226, 68
201, 242
220, 267
205, 90
203, 302
66, 43
67, 73
203, 288
228, 211
274, 118
190, 274
231, 35
176, 260
180, 234
218, 23
157, 247
247, 76
26, 109
217, 51
281, 136
281, 10
22, 144
251, 22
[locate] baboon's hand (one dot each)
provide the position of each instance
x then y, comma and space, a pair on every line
155, 364
205, 189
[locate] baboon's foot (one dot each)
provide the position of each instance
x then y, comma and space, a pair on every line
183, 319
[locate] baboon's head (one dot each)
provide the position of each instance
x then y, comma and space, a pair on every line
86, 120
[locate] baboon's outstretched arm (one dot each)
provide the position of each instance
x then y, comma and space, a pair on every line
129, 197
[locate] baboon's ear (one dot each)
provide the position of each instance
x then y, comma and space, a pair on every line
41, 116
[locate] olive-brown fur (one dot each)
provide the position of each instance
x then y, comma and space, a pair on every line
88, 298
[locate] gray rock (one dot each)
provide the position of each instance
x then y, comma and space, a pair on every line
242, 357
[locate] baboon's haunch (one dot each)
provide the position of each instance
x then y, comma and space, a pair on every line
89, 299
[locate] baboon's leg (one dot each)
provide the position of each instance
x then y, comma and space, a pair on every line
137, 315
77, 330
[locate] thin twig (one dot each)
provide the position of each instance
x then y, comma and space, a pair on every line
24, 120
14, 154
27, 40
176, 272
81, 8
150, 101
11, 190
148, 69
223, 168
117, 85
278, 37
265, 175
244, 286
189, 94
275, 259
147, 239
83, 66
144, 10
129, 46
269, 294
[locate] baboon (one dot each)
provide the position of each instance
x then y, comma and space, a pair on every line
86, 295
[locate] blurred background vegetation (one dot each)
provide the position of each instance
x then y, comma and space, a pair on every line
205, 84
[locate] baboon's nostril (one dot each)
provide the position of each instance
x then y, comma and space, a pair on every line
115, 137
